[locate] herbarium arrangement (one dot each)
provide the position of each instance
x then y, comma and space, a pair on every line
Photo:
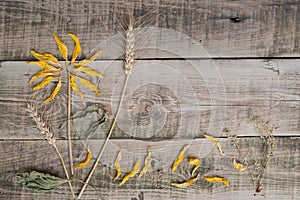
76, 72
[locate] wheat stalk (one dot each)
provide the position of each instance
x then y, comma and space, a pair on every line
50, 137
128, 62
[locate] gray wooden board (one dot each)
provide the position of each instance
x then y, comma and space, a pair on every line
164, 98
224, 28
281, 180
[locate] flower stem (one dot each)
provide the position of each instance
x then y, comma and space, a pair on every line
69, 126
65, 169
107, 138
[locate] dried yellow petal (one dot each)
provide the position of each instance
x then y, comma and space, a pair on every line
239, 166
117, 165
216, 142
186, 183
55, 92
62, 47
86, 62
88, 84
195, 162
45, 57
132, 173
43, 73
215, 179
88, 71
77, 48
86, 161
74, 85
179, 159
44, 82
147, 165
45, 65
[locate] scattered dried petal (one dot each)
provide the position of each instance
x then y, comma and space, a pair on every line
55, 92
238, 166
86, 62
45, 65
215, 179
117, 165
43, 73
88, 71
44, 82
195, 162
88, 84
132, 173
45, 57
186, 183
77, 48
62, 47
147, 165
86, 161
39, 182
216, 142
74, 85
179, 159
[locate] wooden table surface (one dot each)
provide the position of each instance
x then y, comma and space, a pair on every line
202, 67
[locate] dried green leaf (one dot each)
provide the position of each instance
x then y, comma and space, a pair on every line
74, 86
77, 48
186, 183
88, 84
44, 82
131, 174
195, 162
179, 159
62, 47
215, 179
88, 71
216, 142
39, 182
117, 165
147, 165
55, 92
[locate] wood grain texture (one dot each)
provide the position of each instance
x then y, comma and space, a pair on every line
164, 99
251, 28
281, 179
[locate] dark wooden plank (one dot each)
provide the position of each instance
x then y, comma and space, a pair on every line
281, 180
251, 28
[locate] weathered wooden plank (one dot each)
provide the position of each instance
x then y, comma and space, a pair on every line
165, 98
281, 180
252, 28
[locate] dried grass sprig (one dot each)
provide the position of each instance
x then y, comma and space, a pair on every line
128, 64
50, 137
